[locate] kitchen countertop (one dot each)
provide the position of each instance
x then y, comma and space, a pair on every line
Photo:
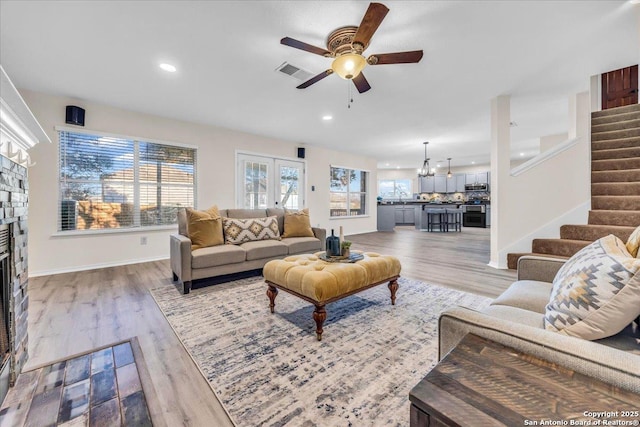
425, 202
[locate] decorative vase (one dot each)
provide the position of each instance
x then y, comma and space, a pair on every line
333, 245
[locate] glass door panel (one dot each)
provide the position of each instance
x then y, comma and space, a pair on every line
290, 188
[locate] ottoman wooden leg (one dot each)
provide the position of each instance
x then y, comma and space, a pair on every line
393, 287
272, 292
319, 315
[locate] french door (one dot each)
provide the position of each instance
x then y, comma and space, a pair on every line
267, 182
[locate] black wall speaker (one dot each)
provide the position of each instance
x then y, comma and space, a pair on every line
75, 115
301, 152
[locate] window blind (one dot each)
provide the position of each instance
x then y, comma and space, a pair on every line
111, 182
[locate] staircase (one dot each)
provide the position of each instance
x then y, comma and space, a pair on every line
615, 186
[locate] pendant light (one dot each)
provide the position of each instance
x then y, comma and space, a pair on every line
425, 171
449, 175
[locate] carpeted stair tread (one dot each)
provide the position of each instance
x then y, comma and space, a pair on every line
616, 153
617, 125
594, 232
629, 175
615, 189
617, 110
615, 134
623, 203
595, 121
512, 259
615, 164
615, 143
560, 247
614, 217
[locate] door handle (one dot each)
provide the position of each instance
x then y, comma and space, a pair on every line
633, 91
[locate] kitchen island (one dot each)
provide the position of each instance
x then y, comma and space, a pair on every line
409, 212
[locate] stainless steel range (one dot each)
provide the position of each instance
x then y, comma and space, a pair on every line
474, 216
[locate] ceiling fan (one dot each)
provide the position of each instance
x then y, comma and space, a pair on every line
346, 45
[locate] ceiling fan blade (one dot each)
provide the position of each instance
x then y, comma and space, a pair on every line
370, 23
361, 83
288, 41
395, 58
315, 79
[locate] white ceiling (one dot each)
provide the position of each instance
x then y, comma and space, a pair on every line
226, 52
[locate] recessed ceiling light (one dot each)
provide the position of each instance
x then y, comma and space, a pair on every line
473, 163
634, 1
386, 164
397, 167
327, 118
521, 154
168, 67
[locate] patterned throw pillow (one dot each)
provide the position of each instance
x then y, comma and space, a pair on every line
297, 224
596, 293
634, 242
204, 227
237, 231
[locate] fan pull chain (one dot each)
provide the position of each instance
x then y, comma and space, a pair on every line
349, 94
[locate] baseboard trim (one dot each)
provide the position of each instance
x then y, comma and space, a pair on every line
94, 266
497, 265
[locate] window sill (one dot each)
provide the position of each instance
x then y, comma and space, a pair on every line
77, 233
348, 217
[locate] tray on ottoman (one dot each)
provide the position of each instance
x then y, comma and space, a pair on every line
320, 282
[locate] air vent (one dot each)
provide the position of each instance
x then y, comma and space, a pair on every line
295, 72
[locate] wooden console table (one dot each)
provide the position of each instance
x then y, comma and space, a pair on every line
484, 383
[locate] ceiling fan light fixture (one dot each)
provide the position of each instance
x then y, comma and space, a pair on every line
449, 174
348, 65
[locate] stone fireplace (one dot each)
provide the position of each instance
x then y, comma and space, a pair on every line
13, 270
19, 132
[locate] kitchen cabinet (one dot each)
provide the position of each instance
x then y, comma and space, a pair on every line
427, 184
405, 214
440, 183
386, 219
477, 178
455, 184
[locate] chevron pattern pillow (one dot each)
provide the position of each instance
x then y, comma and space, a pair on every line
237, 231
596, 293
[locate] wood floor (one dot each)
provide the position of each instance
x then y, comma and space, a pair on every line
75, 312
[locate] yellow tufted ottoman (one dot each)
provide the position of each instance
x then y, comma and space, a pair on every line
321, 282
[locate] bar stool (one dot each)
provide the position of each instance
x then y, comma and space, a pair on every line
436, 217
454, 218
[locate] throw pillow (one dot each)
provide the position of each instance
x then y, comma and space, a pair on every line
596, 293
204, 228
237, 231
634, 242
297, 224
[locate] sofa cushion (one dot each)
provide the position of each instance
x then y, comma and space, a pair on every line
247, 213
237, 231
634, 242
596, 293
516, 315
278, 213
526, 294
214, 256
298, 245
264, 249
204, 228
297, 224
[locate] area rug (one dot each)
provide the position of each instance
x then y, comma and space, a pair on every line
269, 369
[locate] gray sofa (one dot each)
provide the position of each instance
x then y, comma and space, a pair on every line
515, 319
188, 265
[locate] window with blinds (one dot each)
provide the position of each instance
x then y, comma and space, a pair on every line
111, 182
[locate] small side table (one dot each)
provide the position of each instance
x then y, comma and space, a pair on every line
483, 383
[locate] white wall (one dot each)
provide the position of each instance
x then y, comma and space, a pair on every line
216, 183
537, 202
